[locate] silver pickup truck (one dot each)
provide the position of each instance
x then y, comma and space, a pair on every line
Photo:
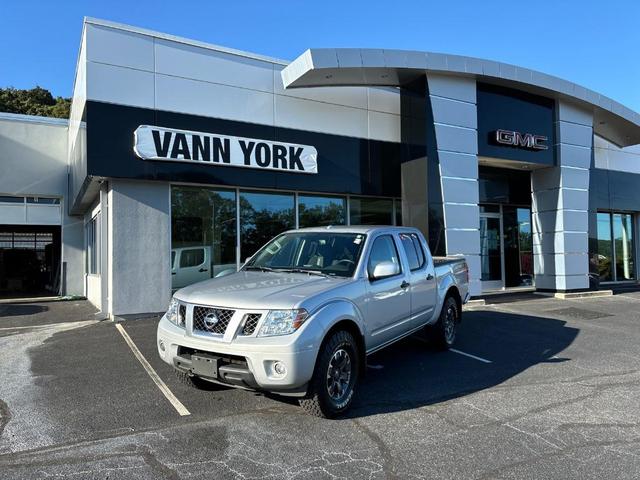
302, 314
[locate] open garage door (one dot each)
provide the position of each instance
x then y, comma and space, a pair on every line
29, 260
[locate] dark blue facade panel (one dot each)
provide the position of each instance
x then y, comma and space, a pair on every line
501, 108
505, 186
614, 190
345, 164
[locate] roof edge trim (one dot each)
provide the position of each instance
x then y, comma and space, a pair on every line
183, 40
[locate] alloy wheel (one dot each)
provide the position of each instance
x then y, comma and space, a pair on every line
339, 375
450, 324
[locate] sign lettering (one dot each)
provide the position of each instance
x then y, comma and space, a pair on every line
159, 143
521, 140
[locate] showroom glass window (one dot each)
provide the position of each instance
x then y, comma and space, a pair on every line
92, 246
263, 215
398, 206
203, 234
615, 259
314, 211
623, 246
371, 211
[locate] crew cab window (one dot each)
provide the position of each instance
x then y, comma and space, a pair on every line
413, 250
383, 250
192, 257
330, 253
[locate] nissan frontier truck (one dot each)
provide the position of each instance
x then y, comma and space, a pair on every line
301, 316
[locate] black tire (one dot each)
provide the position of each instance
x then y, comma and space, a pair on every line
338, 354
193, 381
442, 334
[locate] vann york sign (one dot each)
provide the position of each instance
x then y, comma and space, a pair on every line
158, 143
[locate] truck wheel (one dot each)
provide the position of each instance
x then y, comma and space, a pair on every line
192, 381
335, 377
443, 333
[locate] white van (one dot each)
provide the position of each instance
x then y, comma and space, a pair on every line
194, 264
190, 265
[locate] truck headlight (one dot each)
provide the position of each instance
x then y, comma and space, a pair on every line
173, 312
282, 322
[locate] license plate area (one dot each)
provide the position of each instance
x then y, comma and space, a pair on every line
205, 365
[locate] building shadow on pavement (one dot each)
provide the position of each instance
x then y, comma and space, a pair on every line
411, 374
17, 309
36, 314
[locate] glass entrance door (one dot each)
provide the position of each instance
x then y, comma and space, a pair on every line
491, 257
506, 250
518, 247
615, 256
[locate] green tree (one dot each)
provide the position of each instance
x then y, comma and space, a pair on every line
36, 101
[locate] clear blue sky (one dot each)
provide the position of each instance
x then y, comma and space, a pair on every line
594, 43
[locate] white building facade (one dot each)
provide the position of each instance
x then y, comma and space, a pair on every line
180, 159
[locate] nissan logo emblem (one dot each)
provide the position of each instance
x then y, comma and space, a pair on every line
211, 320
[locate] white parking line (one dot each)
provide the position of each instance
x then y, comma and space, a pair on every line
180, 408
480, 359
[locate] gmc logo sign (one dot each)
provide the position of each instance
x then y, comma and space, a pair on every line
521, 140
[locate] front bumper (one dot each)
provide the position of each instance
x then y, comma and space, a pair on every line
245, 363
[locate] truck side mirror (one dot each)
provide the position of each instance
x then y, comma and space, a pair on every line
385, 269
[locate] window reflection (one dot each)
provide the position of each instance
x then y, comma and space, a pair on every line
490, 249
263, 216
316, 211
203, 234
398, 206
371, 211
525, 246
615, 247
623, 238
605, 249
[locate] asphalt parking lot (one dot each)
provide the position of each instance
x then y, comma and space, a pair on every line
542, 388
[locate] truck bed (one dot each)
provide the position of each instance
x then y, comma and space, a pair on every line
439, 261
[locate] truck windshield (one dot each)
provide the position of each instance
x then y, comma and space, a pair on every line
329, 253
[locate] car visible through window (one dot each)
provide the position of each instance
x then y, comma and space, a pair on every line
192, 257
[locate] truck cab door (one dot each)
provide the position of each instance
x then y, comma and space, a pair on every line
388, 297
422, 277
191, 265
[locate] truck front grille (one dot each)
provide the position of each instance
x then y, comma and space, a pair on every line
250, 323
182, 315
211, 320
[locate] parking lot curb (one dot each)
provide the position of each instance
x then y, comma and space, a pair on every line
476, 303
65, 298
575, 295
135, 316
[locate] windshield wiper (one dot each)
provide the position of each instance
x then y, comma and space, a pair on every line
261, 269
302, 270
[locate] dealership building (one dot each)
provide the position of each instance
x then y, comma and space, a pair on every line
181, 158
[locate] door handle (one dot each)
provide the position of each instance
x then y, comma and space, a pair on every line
404, 284
173, 273
203, 270
429, 277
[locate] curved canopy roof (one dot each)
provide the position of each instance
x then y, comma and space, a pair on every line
394, 68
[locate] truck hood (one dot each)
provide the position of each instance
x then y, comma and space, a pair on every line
258, 290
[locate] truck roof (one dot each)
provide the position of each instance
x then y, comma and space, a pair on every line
355, 228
